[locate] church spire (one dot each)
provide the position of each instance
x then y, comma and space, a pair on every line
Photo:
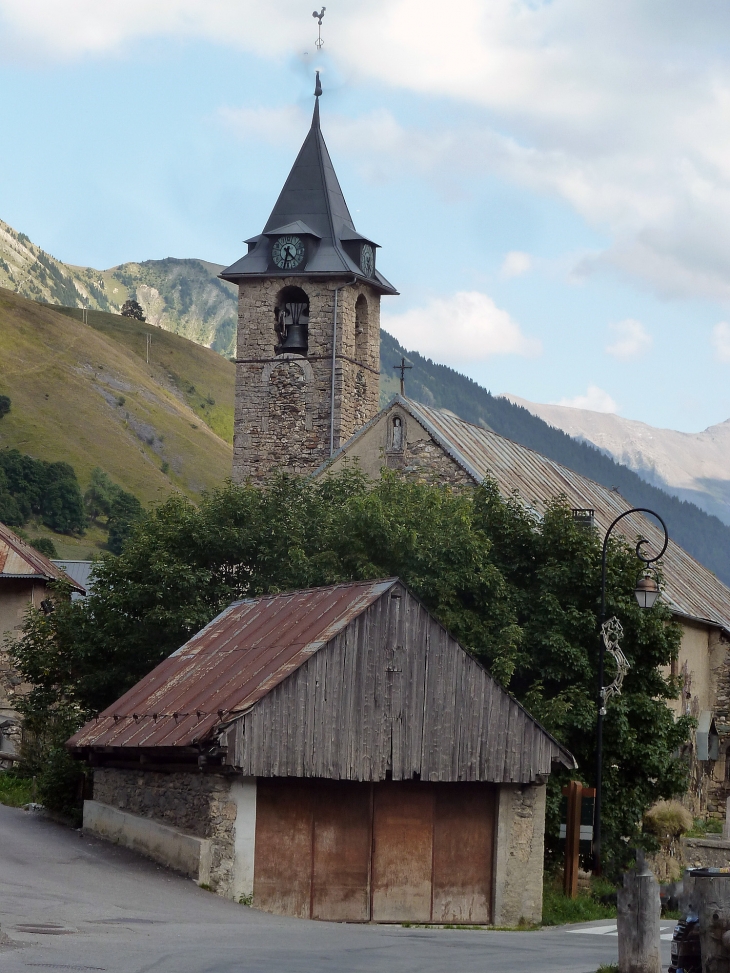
317, 93
311, 210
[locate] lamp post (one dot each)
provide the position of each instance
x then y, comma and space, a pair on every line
646, 592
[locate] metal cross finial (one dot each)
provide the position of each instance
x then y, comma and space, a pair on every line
402, 368
318, 16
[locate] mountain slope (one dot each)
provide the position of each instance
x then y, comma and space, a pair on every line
692, 466
183, 296
703, 535
84, 393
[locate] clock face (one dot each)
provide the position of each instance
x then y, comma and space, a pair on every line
287, 252
367, 259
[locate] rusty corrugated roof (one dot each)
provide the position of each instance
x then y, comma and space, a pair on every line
691, 589
20, 560
230, 664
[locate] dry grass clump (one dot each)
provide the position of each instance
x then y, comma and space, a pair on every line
668, 819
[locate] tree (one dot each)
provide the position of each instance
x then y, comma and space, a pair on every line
520, 593
131, 309
45, 545
63, 506
4, 405
125, 511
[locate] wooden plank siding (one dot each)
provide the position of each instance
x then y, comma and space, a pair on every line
391, 696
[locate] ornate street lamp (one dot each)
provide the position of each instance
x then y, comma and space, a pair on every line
646, 592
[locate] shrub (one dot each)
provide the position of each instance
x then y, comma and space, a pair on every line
667, 820
45, 545
4, 405
131, 309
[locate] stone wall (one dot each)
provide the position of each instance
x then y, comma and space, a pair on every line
418, 455
520, 847
195, 803
283, 402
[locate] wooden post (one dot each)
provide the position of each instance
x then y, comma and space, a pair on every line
713, 898
639, 908
574, 792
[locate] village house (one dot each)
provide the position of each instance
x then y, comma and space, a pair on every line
24, 578
331, 754
438, 446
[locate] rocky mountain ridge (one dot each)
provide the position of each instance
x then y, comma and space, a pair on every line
692, 466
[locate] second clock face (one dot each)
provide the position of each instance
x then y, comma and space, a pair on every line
287, 252
367, 259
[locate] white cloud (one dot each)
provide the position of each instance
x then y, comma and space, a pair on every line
515, 264
632, 340
721, 340
619, 108
466, 327
595, 399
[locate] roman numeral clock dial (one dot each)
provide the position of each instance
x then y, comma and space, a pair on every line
287, 252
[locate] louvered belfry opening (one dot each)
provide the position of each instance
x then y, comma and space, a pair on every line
292, 321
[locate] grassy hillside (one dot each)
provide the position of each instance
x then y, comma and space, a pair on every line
182, 296
84, 394
704, 536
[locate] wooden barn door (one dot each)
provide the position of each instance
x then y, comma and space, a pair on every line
391, 852
432, 852
313, 842
402, 852
463, 848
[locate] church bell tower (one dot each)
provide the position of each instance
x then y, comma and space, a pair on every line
308, 353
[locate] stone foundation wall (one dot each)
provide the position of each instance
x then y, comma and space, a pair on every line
195, 803
283, 402
520, 847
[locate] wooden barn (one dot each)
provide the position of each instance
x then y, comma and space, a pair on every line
331, 754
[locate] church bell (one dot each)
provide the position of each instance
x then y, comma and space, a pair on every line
295, 321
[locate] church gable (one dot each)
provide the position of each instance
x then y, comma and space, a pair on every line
397, 439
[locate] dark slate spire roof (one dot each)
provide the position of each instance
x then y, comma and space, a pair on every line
311, 203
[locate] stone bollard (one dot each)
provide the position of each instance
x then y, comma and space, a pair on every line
713, 906
639, 909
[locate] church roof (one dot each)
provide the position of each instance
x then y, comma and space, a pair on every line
691, 590
313, 202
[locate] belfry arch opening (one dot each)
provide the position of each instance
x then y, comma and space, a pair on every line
291, 314
361, 327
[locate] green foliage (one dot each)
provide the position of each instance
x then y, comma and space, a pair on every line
15, 791
122, 510
131, 309
34, 487
559, 910
701, 828
45, 545
4, 405
519, 593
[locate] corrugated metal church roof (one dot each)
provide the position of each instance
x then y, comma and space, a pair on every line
691, 590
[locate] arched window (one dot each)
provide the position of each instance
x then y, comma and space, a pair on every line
292, 321
361, 328
396, 433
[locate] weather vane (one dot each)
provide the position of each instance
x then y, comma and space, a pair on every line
318, 16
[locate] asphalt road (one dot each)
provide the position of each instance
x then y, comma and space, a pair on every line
69, 902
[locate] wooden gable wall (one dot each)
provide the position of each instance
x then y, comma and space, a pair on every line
393, 695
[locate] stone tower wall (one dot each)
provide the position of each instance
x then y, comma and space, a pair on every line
282, 412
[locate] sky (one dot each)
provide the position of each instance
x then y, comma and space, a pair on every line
549, 180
